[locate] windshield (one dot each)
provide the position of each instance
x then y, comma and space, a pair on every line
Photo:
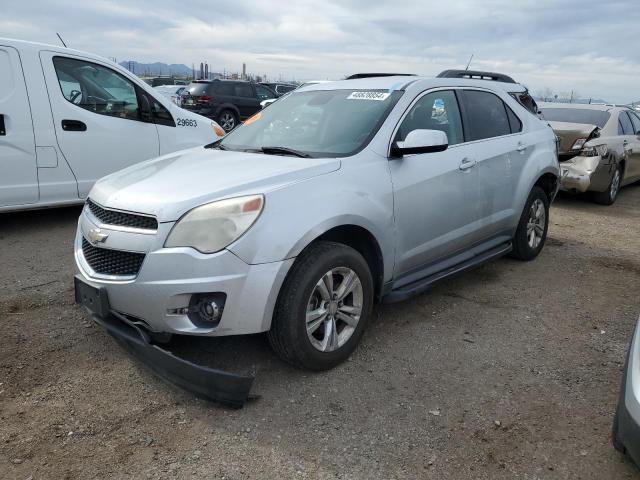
576, 115
326, 123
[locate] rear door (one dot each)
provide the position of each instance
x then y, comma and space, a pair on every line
631, 144
246, 100
18, 168
501, 157
102, 119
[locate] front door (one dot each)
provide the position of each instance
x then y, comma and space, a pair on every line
100, 121
18, 167
435, 194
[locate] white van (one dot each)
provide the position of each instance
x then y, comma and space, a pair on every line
68, 118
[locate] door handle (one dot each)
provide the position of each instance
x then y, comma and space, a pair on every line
467, 163
521, 147
3, 130
73, 126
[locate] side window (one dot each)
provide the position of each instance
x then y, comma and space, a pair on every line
636, 122
224, 88
434, 111
97, 88
244, 90
485, 114
527, 101
161, 115
263, 93
624, 126
514, 122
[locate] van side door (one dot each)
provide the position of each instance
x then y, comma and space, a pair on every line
18, 163
103, 120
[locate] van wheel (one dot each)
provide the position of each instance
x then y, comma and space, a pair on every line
323, 308
532, 229
227, 120
608, 197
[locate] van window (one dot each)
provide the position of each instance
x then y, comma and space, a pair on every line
434, 111
97, 88
485, 114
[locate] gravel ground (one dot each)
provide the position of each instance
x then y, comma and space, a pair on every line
509, 371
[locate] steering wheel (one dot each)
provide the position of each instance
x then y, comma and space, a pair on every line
74, 94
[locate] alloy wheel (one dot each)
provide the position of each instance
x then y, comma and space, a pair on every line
536, 223
227, 121
615, 185
334, 309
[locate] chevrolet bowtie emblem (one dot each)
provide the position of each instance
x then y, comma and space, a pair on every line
96, 236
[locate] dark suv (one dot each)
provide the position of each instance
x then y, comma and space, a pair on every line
226, 101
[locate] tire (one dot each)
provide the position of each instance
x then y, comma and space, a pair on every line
615, 437
609, 196
227, 119
526, 247
302, 300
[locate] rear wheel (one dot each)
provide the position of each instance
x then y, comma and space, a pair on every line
532, 229
323, 307
227, 120
608, 197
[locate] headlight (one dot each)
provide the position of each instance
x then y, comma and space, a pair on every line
211, 227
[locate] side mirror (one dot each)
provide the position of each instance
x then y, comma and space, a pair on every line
421, 141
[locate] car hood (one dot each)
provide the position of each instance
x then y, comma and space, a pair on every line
170, 185
570, 132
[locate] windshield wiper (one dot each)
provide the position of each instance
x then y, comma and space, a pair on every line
217, 145
285, 151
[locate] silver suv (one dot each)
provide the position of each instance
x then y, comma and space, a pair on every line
337, 196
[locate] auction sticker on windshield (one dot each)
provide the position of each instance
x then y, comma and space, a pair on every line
379, 96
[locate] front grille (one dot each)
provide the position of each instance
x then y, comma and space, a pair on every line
111, 262
113, 217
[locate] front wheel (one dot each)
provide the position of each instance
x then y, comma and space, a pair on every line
323, 307
532, 229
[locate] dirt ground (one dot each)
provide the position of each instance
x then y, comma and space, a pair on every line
510, 371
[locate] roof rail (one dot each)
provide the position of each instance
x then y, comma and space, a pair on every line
371, 75
476, 75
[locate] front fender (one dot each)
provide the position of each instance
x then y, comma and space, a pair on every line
358, 194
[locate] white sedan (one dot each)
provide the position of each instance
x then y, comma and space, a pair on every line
171, 91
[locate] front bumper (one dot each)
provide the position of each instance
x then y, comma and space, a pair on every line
581, 174
627, 427
169, 277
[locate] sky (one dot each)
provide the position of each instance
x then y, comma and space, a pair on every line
587, 46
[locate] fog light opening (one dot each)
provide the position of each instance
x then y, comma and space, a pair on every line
205, 309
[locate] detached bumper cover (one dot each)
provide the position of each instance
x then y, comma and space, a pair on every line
581, 174
215, 385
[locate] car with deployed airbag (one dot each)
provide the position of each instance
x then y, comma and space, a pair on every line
337, 196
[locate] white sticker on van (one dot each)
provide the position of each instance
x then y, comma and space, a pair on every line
379, 96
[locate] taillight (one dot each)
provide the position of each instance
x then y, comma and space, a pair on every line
205, 98
578, 144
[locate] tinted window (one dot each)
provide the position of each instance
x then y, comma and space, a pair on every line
264, 93
196, 89
96, 88
576, 115
434, 111
527, 101
624, 127
514, 121
244, 90
224, 88
636, 121
485, 114
160, 114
